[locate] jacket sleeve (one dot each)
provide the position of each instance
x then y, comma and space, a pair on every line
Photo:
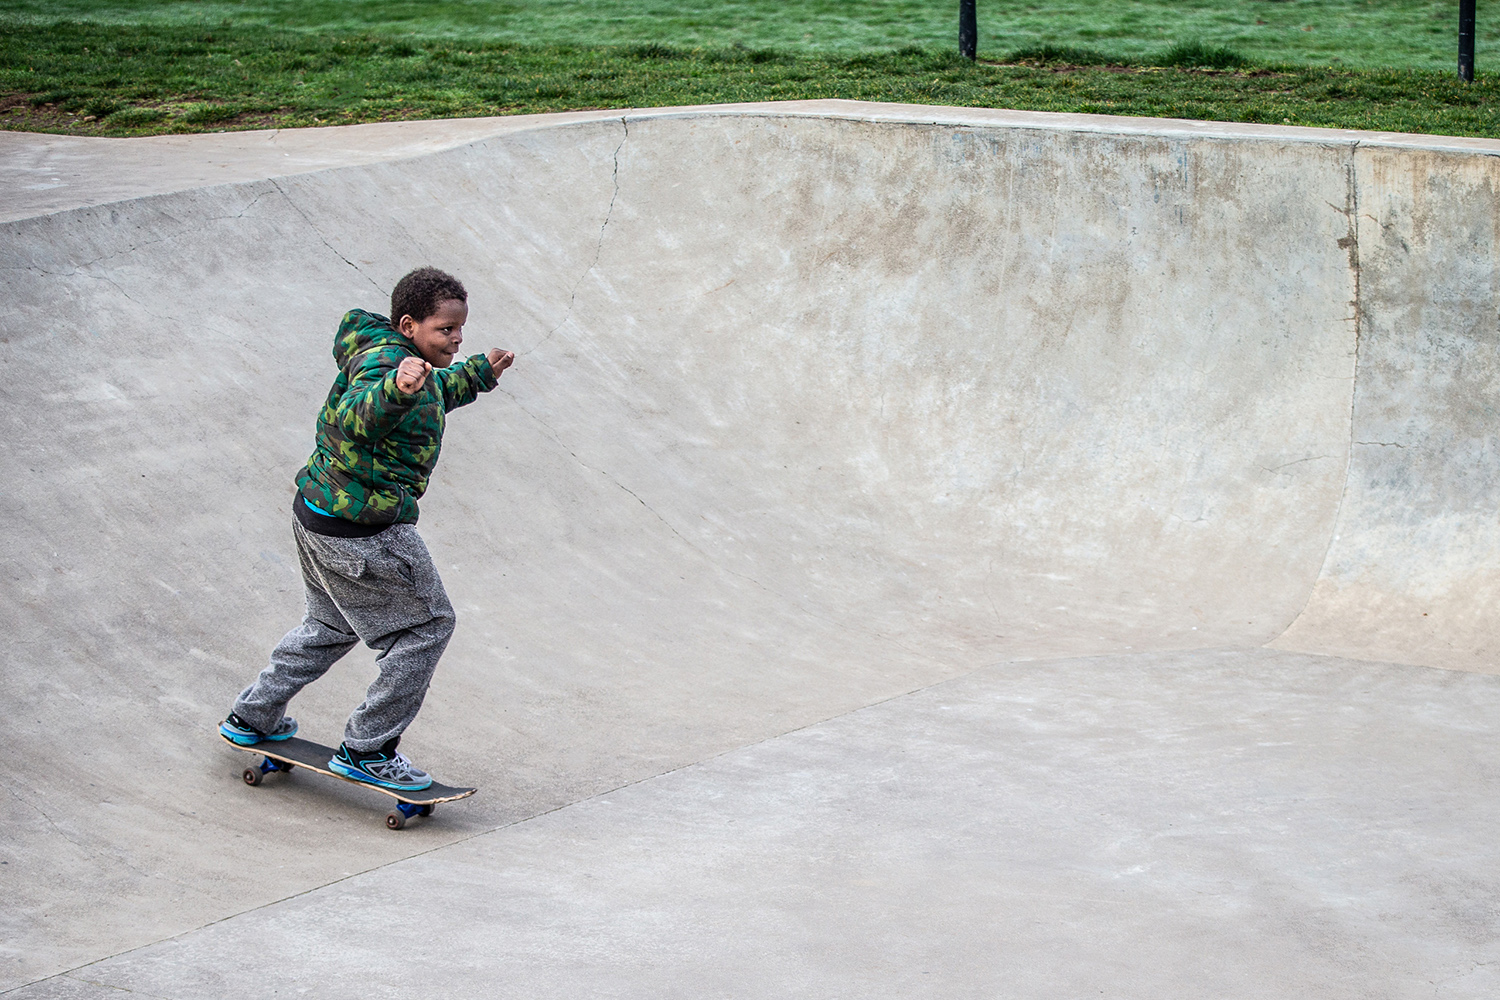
372, 405
462, 383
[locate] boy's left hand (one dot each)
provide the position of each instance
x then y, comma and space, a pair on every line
500, 360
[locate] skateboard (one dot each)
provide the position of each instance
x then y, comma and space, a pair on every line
284, 755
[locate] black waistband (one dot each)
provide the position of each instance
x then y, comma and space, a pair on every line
337, 527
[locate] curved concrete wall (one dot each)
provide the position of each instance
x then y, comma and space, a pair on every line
814, 406
1413, 574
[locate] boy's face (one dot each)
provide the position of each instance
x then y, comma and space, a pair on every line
437, 337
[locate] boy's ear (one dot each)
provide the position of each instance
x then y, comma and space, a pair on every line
407, 327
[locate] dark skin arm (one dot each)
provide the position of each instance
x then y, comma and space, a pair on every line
412, 373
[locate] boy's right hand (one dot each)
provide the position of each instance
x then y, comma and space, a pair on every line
411, 374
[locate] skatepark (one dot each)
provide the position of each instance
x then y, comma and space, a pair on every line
917, 552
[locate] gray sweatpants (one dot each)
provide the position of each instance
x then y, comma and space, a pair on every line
384, 590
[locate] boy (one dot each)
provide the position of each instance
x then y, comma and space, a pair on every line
367, 573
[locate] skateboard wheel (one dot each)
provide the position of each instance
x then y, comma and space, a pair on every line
395, 821
251, 776
284, 766
426, 810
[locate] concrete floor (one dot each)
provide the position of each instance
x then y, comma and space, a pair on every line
918, 551
1222, 823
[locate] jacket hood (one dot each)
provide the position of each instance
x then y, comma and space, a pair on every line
361, 331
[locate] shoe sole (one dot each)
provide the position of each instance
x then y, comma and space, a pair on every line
353, 774
250, 739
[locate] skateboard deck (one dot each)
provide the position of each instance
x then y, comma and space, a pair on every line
286, 755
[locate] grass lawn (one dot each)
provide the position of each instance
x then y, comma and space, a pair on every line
152, 66
1404, 34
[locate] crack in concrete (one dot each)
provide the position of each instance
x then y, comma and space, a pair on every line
78, 268
131, 248
1295, 461
76, 273
598, 246
574, 455
121, 289
276, 183
241, 213
989, 574
1441, 986
50, 821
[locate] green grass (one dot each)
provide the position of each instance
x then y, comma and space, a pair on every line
155, 66
135, 81
1407, 34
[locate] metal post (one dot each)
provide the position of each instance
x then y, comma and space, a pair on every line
1466, 40
968, 29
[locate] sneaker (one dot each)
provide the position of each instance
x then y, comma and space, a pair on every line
382, 767
239, 731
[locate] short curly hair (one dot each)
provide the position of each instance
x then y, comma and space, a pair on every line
419, 293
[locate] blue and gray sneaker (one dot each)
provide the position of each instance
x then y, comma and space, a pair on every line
239, 731
383, 767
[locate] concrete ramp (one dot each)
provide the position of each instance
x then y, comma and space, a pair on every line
815, 405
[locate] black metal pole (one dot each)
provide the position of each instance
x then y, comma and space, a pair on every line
968, 29
1465, 40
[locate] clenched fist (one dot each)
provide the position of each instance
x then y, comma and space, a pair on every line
500, 360
411, 374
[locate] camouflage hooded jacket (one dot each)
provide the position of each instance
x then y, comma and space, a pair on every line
377, 445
